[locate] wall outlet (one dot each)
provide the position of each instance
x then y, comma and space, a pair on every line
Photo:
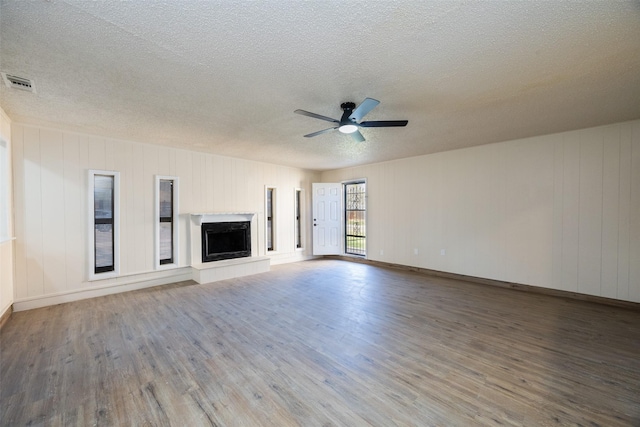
443, 252
415, 251
381, 251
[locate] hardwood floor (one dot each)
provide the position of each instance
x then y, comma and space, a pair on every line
322, 343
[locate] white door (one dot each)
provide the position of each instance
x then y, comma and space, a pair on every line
327, 219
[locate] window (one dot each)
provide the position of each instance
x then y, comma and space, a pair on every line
270, 203
166, 214
355, 218
104, 233
298, 218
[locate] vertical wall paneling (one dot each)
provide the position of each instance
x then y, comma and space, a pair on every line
558, 202
461, 233
634, 224
151, 160
196, 182
19, 227
416, 175
82, 251
33, 212
428, 226
139, 186
109, 154
489, 202
183, 170
227, 179
590, 228
164, 167
570, 211
439, 206
541, 211
622, 291
7, 248
97, 153
208, 183
125, 165
610, 211
559, 211
74, 207
403, 203
389, 239
52, 208
517, 228
172, 162
53, 218
240, 201
218, 185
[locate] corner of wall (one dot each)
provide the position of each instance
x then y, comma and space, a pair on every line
6, 242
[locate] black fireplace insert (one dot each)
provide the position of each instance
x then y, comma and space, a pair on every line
226, 240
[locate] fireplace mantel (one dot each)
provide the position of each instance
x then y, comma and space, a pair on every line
200, 218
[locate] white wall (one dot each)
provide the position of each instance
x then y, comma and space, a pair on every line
50, 181
559, 211
6, 244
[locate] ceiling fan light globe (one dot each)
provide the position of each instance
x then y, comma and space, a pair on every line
348, 128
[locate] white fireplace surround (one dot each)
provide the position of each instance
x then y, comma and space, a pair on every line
197, 219
229, 268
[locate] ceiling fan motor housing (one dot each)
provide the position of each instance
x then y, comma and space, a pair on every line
348, 106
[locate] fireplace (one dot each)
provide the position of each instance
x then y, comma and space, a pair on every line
228, 238
225, 240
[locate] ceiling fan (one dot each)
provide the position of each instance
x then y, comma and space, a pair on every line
351, 119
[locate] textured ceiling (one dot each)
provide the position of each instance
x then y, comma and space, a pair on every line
224, 77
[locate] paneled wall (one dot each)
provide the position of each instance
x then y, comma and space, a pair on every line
6, 244
559, 211
51, 212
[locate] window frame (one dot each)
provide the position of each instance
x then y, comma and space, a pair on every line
273, 219
175, 235
298, 218
345, 210
115, 272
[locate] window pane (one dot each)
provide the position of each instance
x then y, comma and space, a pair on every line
269, 200
166, 198
298, 231
166, 239
355, 197
270, 196
104, 245
103, 196
355, 245
355, 224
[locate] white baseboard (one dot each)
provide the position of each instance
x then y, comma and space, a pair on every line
5, 313
127, 284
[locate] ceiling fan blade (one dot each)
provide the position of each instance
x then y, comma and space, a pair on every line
367, 105
316, 116
384, 123
320, 132
357, 136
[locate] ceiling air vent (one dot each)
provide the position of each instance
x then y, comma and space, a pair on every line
18, 82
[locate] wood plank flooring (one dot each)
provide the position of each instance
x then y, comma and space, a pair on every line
322, 343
